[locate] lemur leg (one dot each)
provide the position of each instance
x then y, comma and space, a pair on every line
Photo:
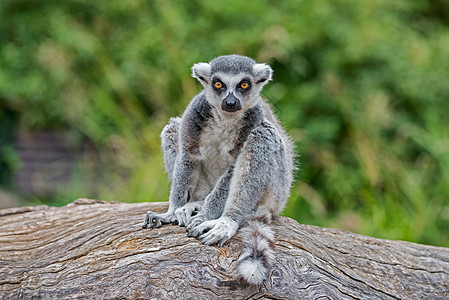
259, 173
214, 203
170, 147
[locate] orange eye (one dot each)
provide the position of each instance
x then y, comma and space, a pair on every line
218, 85
244, 85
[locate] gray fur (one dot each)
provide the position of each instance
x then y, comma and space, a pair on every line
237, 160
232, 64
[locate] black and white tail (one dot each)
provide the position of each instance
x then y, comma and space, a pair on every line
258, 251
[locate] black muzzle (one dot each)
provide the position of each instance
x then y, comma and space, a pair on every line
231, 103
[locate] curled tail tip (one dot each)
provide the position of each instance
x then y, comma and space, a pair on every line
258, 252
253, 271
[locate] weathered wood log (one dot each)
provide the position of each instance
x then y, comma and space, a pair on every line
97, 250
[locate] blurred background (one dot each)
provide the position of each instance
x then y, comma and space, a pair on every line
361, 86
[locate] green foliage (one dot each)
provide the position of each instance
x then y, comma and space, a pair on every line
360, 85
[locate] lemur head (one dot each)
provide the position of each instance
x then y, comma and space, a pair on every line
232, 82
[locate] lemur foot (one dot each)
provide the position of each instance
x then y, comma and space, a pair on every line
215, 231
159, 219
185, 213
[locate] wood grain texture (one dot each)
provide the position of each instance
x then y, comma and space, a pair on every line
96, 250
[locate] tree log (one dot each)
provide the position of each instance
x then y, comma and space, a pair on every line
97, 250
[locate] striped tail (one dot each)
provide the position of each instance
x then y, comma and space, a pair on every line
258, 251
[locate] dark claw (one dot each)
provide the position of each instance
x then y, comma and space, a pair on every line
175, 222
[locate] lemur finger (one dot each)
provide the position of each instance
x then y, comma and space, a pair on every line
178, 215
186, 216
193, 233
145, 223
193, 222
158, 222
150, 223
197, 231
210, 238
221, 242
182, 218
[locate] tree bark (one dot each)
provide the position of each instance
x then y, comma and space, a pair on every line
97, 250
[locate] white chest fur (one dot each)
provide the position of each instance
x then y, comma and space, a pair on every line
217, 140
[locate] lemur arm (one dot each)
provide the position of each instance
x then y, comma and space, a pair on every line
214, 202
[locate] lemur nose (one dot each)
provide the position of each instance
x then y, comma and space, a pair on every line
231, 103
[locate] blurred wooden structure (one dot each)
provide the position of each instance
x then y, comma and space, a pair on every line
48, 161
97, 250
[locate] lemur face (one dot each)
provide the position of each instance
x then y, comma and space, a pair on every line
233, 82
231, 90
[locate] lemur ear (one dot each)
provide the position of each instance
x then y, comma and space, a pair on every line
262, 73
201, 71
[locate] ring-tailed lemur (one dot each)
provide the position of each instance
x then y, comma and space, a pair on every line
230, 163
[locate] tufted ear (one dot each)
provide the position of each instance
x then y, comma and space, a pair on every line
201, 71
262, 73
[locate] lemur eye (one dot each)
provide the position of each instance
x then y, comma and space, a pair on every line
244, 85
218, 85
